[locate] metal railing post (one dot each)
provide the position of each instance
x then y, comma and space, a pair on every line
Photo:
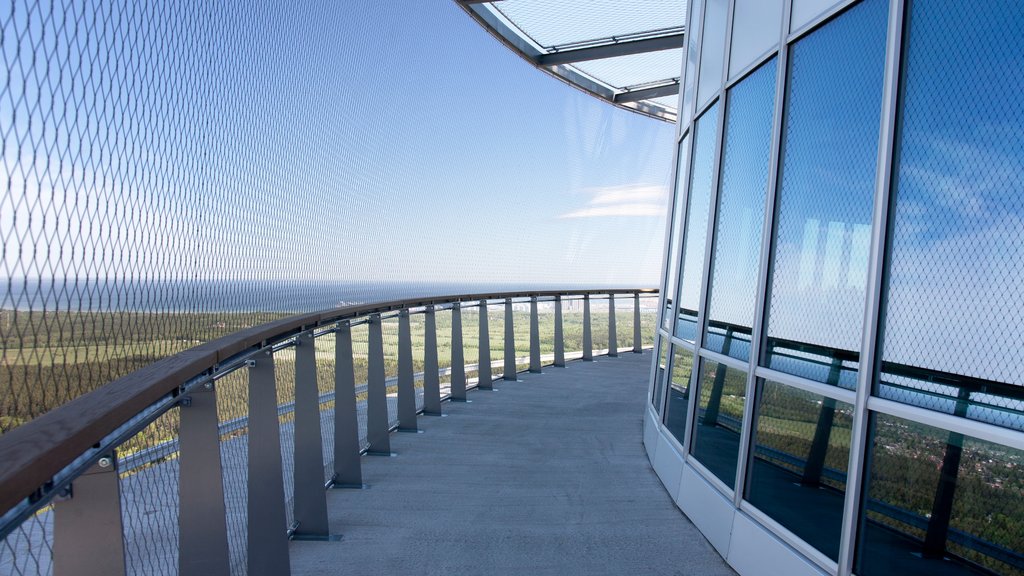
534, 337
406, 384
559, 335
815, 464
638, 345
202, 519
588, 341
87, 531
510, 343
458, 387
613, 340
485, 380
431, 377
267, 537
377, 422
945, 492
715, 400
310, 502
348, 469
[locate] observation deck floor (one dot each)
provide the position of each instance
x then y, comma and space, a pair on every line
546, 475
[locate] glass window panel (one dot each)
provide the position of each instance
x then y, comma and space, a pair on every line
679, 392
804, 11
695, 234
801, 452
740, 213
672, 274
955, 306
755, 19
690, 66
826, 196
712, 55
938, 502
659, 375
716, 437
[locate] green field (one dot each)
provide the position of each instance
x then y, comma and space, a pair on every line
50, 358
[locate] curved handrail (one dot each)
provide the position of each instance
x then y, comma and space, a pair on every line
33, 453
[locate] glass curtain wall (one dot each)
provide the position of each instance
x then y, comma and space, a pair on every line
847, 269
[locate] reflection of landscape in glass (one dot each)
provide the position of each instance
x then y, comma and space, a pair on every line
659, 376
716, 437
801, 454
945, 491
950, 334
679, 393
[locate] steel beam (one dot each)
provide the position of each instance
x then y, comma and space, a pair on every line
670, 88
612, 49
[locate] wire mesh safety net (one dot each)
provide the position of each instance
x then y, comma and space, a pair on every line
177, 172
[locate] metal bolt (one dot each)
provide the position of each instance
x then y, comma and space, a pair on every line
250, 363
208, 385
105, 462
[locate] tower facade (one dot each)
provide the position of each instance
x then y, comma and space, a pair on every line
838, 386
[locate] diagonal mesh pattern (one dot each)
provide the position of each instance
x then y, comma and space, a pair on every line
956, 262
825, 199
741, 197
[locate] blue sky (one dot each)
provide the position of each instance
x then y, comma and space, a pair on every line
349, 141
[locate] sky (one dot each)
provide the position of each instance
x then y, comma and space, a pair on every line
350, 141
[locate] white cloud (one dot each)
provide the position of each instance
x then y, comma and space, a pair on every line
629, 200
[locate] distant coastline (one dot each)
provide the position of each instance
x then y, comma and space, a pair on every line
206, 296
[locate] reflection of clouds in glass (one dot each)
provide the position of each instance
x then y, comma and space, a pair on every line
741, 200
699, 200
833, 256
955, 304
830, 144
972, 180
831, 275
808, 250
956, 265
616, 201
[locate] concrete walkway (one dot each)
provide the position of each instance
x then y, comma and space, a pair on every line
547, 475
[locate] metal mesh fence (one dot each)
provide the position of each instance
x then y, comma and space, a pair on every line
29, 549
232, 409
148, 468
